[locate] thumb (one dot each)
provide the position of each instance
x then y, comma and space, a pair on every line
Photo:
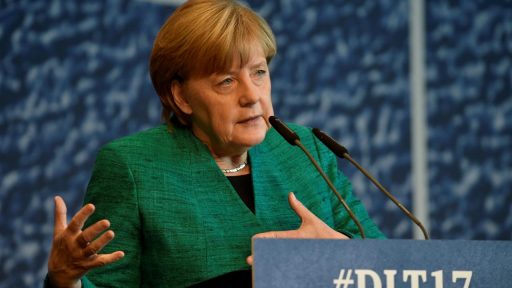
299, 208
60, 218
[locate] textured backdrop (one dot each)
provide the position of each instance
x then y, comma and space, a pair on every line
74, 76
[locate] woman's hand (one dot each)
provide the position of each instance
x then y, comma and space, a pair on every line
311, 227
74, 252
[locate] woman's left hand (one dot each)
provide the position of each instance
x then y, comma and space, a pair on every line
312, 227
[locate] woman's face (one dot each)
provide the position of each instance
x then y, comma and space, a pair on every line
229, 111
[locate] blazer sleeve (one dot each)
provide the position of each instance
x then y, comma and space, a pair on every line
113, 191
342, 221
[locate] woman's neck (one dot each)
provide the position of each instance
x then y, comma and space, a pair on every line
233, 165
231, 161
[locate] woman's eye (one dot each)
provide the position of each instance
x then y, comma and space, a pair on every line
261, 72
226, 82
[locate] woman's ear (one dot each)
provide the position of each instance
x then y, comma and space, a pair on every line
178, 94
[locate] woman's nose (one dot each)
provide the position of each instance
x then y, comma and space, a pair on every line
249, 93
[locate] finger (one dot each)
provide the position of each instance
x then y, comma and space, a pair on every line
82, 242
92, 232
60, 220
98, 244
77, 222
278, 234
249, 260
270, 234
104, 259
299, 208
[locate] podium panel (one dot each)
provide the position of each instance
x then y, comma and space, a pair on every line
381, 263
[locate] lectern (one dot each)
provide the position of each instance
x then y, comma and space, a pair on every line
381, 263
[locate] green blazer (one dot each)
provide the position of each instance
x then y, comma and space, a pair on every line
179, 220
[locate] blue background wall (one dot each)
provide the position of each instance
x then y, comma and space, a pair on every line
469, 82
74, 76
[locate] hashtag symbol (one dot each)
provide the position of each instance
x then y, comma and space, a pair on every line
342, 281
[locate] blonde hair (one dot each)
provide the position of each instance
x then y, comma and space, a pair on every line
200, 38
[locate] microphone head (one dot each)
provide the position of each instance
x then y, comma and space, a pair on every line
334, 146
284, 130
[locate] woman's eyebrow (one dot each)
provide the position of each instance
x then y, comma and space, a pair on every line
259, 64
232, 71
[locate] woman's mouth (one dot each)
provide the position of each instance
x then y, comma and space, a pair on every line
251, 120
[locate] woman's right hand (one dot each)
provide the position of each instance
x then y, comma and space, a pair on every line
74, 251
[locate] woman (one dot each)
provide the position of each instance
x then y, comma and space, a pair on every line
184, 199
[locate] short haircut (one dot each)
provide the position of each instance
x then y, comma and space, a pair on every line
200, 38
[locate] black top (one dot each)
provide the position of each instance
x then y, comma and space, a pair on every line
242, 278
243, 186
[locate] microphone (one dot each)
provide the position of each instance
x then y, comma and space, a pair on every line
294, 140
342, 152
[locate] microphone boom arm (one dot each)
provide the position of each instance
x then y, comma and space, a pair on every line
345, 205
342, 152
294, 139
389, 195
